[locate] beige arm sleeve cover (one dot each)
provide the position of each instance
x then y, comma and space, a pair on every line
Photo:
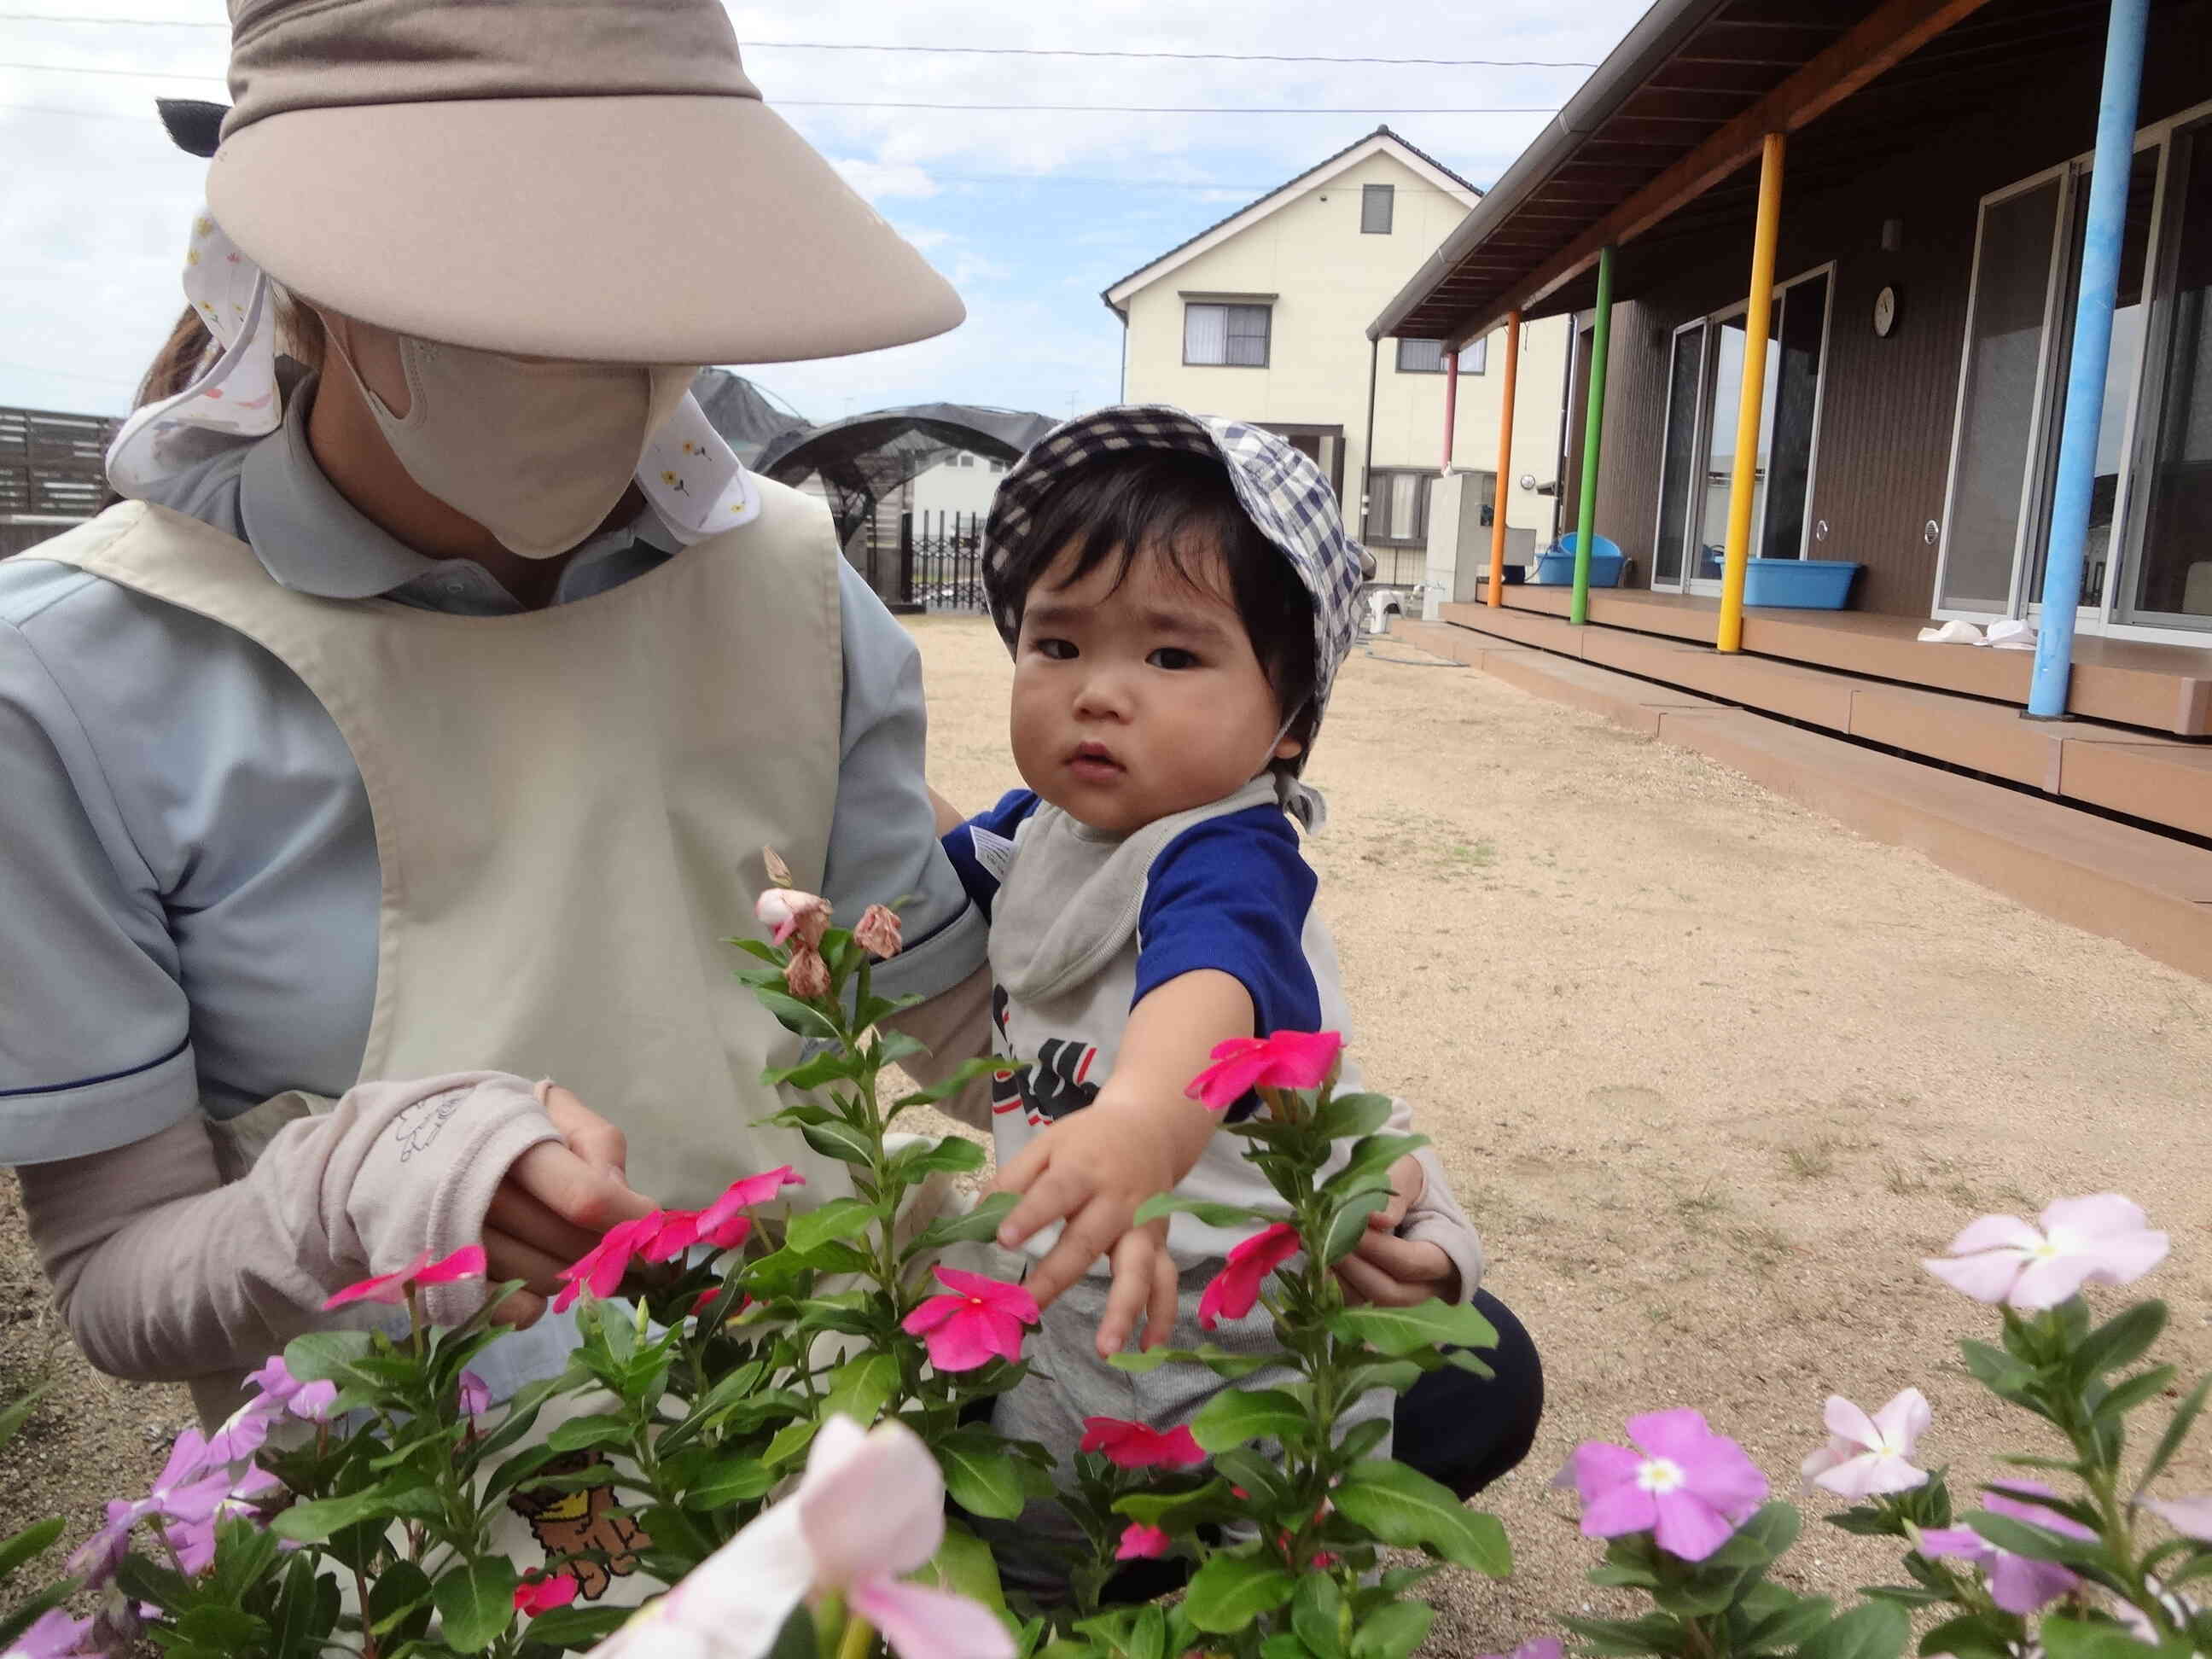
955, 1025
1434, 1218
164, 1273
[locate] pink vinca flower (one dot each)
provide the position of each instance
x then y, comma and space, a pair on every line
788, 915
534, 1595
194, 1540
1141, 1446
1687, 1486
1235, 1288
720, 1224
191, 1485
1286, 1060
869, 1510
600, 1269
471, 1395
982, 1320
391, 1288
673, 1232
2016, 1583
1866, 1456
878, 932
53, 1635
1542, 1647
2190, 1517
1142, 1543
2102, 1239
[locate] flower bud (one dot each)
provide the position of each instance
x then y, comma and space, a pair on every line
878, 932
808, 975
789, 913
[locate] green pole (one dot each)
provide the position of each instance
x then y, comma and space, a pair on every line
1593, 436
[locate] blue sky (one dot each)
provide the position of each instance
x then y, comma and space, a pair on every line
1030, 214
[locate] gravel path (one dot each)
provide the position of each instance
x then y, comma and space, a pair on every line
1710, 1073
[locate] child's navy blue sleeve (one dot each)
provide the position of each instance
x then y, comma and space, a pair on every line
982, 849
1232, 894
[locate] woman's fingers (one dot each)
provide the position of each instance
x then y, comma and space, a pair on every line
1408, 1261
507, 1256
520, 1311
1365, 1282
1160, 1316
1406, 1183
514, 1212
1131, 1292
590, 1136
584, 1194
1045, 1198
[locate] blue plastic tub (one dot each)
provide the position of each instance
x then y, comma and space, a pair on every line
1555, 565
1799, 584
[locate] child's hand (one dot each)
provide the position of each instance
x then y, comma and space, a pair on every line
1091, 1170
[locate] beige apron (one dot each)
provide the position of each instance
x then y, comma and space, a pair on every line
569, 808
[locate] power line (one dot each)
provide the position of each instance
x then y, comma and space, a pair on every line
143, 75
988, 52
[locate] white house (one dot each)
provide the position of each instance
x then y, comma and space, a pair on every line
1263, 318
962, 483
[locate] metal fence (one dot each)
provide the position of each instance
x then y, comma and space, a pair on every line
50, 473
942, 554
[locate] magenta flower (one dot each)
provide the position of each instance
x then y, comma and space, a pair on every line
1687, 1486
670, 1234
391, 1288
720, 1224
2099, 1240
1285, 1060
471, 1395
1141, 1446
1142, 1543
53, 1635
2016, 1583
600, 1269
981, 1320
1237, 1287
534, 1595
1866, 1456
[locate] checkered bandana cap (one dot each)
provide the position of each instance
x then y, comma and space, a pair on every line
1281, 491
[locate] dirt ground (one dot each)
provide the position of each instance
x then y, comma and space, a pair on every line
1710, 1073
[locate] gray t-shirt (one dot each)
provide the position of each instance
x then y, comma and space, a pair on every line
189, 883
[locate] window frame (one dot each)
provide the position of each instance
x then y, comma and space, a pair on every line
1265, 307
1378, 506
1386, 194
1480, 346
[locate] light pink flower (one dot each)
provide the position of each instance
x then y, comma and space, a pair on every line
869, 1510
244, 1431
1141, 1446
1142, 1543
2099, 1240
1866, 1456
790, 914
1542, 1647
600, 1269
878, 932
472, 1395
1286, 1060
981, 1320
807, 977
534, 1595
2016, 1583
391, 1288
53, 1635
191, 1485
720, 1224
1237, 1287
1687, 1486
2190, 1517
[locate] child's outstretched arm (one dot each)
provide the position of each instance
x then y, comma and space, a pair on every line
1139, 1137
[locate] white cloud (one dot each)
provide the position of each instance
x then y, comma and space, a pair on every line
879, 181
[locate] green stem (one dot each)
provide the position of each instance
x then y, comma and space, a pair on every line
858, 1640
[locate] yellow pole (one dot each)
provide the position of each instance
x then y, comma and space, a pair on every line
1745, 482
1504, 458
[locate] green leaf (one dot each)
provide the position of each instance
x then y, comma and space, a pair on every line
1347, 1226
588, 1434
1370, 1157
1789, 1625
961, 1076
1619, 1638
1400, 1331
1873, 1630
950, 1156
1996, 1370
1212, 1214
1217, 1359
1394, 1632
980, 1223
2176, 1430
476, 1602
830, 1065
1349, 1116
795, 1016
839, 1139
329, 1357
16, 1621
2124, 1397
840, 1218
29, 1542
734, 1481
1230, 1591
581, 1627
1404, 1507
789, 1440
2120, 1341
12, 1419
978, 1475
400, 1603
964, 1564
1761, 1540
1314, 1611
861, 1388
1235, 1416
1396, 1375
313, 1522
2036, 1543
2082, 1638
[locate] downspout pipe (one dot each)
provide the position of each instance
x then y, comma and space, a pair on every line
2102, 240
1593, 438
1367, 448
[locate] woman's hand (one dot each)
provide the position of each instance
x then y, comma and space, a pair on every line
557, 1199
1392, 1271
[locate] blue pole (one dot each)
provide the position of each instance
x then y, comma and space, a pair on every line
2092, 349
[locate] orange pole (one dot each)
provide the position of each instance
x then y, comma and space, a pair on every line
1505, 458
1452, 403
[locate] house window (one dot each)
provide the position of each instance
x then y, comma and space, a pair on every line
1697, 453
1376, 203
966, 459
1398, 508
1427, 356
998, 466
1232, 335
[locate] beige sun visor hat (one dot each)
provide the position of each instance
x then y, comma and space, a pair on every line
591, 180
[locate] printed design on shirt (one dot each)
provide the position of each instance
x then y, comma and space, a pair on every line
565, 1523
1006, 1082
417, 1125
1059, 1084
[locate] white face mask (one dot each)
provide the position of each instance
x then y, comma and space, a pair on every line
538, 454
